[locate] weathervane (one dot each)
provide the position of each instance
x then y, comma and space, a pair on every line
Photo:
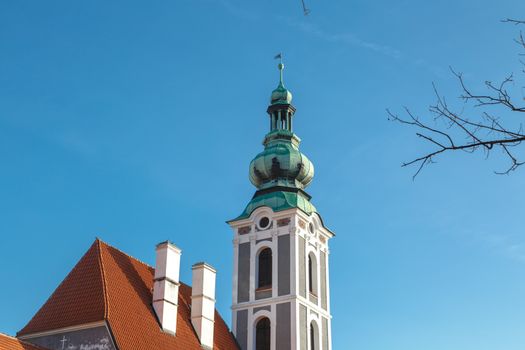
279, 57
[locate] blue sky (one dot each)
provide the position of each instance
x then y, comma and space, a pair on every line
136, 123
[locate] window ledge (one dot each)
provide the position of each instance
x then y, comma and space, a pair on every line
263, 289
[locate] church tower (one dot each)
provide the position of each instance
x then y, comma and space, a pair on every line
281, 294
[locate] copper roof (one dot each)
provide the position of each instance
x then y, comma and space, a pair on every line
107, 284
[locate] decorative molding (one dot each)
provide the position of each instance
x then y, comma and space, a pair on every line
309, 306
283, 222
244, 230
64, 330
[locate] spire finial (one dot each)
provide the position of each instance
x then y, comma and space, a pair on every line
280, 95
279, 57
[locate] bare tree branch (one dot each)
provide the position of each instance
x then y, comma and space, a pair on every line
447, 130
513, 21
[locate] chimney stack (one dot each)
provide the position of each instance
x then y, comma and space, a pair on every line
203, 303
166, 285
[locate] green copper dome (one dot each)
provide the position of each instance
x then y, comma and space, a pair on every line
281, 95
281, 163
279, 201
280, 172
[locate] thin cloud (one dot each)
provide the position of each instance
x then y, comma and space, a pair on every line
351, 39
343, 38
506, 245
236, 10
347, 38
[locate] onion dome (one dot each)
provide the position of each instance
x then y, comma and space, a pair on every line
281, 163
280, 172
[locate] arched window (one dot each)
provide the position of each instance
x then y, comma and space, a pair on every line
312, 274
314, 337
264, 279
262, 334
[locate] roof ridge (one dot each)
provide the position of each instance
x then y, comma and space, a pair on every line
100, 241
124, 253
40, 322
103, 276
49, 298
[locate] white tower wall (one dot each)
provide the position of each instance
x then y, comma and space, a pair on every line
289, 305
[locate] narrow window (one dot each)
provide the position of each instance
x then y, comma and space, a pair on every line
262, 334
312, 274
310, 277
312, 337
265, 269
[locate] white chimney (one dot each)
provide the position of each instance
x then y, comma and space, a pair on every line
203, 303
166, 285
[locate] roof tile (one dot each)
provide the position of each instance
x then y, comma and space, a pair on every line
77, 300
108, 284
11, 343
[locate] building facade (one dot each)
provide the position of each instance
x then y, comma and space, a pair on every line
281, 294
112, 301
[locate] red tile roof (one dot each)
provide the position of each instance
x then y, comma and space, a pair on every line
107, 284
10, 343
